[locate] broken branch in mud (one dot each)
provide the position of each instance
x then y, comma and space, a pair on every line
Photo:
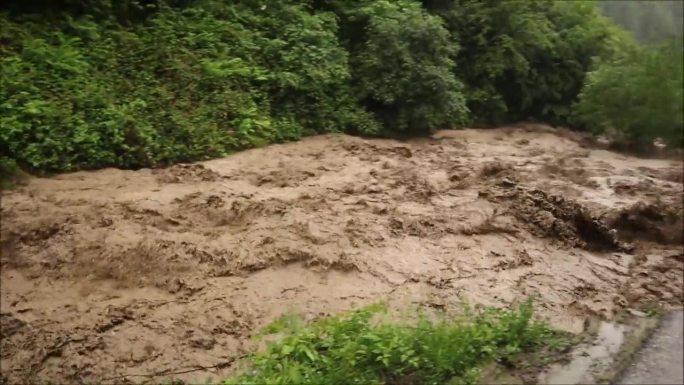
171, 372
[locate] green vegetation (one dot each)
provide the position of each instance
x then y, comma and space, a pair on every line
524, 59
638, 94
401, 62
8, 172
183, 85
142, 83
362, 348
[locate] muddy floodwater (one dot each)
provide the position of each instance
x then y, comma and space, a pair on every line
111, 276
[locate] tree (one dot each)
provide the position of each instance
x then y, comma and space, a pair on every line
523, 59
638, 95
401, 64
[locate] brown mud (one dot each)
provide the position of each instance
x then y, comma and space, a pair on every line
113, 276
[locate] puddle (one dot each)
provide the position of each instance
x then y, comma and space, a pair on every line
585, 362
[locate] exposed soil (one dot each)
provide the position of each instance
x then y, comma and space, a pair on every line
113, 276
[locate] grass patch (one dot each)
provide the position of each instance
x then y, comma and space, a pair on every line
366, 347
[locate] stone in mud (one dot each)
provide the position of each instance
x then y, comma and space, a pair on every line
637, 313
174, 285
507, 182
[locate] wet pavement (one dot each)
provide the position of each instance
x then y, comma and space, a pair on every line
661, 360
582, 367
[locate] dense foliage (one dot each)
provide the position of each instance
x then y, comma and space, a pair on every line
186, 84
639, 94
140, 83
357, 349
401, 64
524, 59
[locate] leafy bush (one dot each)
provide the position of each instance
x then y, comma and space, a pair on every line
401, 64
523, 59
638, 95
185, 84
496, 39
304, 71
355, 349
556, 76
141, 83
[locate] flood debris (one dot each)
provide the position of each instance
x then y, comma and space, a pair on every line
117, 274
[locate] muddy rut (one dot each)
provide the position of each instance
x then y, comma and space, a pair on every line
115, 276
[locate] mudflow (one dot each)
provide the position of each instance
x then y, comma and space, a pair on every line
113, 276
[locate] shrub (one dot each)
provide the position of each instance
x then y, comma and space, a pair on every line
97, 97
143, 83
637, 94
580, 35
306, 77
183, 84
523, 59
401, 64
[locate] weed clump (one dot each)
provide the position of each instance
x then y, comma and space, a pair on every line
362, 348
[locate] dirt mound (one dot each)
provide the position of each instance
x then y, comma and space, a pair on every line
650, 221
140, 276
